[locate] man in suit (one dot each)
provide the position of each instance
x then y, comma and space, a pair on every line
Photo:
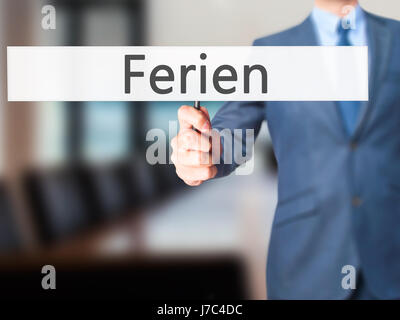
338, 166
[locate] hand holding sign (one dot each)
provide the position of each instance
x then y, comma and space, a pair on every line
194, 151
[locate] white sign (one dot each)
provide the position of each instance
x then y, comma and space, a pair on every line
187, 73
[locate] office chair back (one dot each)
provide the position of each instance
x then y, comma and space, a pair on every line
105, 191
57, 202
9, 237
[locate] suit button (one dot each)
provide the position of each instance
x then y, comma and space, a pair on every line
353, 145
356, 201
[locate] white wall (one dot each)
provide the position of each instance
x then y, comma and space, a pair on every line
385, 8
233, 22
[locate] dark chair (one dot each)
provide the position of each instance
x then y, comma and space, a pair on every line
57, 202
9, 238
147, 183
168, 180
139, 183
105, 191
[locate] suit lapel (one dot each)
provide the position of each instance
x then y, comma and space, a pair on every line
326, 111
379, 40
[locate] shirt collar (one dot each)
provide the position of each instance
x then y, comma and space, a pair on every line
328, 22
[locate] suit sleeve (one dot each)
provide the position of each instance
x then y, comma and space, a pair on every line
233, 121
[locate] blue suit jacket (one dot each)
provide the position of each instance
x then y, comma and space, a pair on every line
338, 196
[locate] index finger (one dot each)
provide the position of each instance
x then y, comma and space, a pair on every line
190, 117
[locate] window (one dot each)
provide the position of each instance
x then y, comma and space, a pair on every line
106, 133
94, 131
50, 140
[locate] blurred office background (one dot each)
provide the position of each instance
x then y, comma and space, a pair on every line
75, 188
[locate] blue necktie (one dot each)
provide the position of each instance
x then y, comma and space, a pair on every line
348, 109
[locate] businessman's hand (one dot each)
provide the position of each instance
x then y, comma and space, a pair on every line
193, 150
